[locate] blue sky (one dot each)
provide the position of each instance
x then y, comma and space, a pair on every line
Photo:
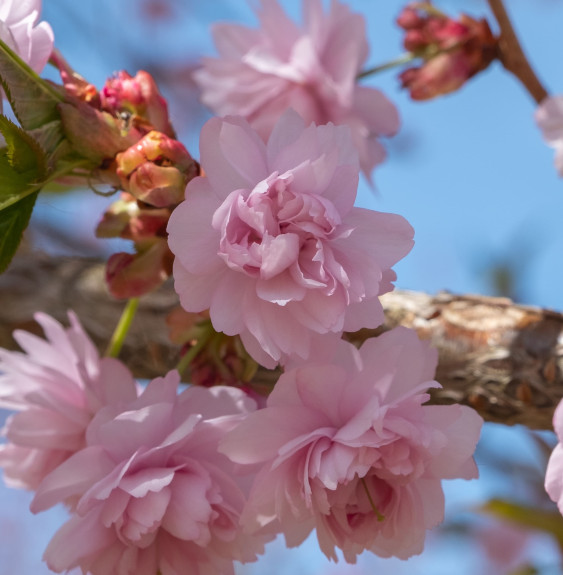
469, 171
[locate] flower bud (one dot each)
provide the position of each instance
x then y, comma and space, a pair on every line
442, 74
452, 50
410, 18
133, 275
138, 96
415, 41
156, 170
126, 219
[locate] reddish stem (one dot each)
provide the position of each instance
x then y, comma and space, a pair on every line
512, 56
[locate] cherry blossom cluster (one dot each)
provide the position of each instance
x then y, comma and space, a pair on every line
268, 248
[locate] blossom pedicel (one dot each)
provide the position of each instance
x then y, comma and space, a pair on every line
259, 74
270, 240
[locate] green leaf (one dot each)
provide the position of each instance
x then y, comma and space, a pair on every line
52, 140
33, 99
526, 516
24, 154
14, 186
13, 221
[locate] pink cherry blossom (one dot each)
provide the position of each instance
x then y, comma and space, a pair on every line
153, 494
56, 386
349, 448
549, 117
313, 69
271, 243
554, 472
32, 42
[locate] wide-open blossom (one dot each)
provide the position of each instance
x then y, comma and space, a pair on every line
56, 386
19, 29
260, 73
270, 240
348, 447
549, 117
153, 494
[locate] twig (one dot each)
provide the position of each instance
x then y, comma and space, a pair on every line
512, 56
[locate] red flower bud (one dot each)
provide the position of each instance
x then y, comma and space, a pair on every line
156, 170
410, 18
138, 96
452, 50
126, 219
415, 41
133, 275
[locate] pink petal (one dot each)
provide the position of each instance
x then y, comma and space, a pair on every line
73, 477
78, 538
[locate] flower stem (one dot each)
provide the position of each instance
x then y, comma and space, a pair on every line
188, 357
512, 56
401, 60
379, 516
120, 333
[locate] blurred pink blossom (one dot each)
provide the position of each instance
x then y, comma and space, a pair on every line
32, 42
154, 495
554, 472
505, 545
349, 448
270, 242
549, 117
56, 386
313, 69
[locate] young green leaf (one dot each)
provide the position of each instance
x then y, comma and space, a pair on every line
52, 140
24, 154
13, 221
33, 99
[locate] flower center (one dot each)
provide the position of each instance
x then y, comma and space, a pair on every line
264, 229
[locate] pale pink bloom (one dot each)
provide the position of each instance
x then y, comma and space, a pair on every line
261, 73
153, 494
271, 243
549, 117
349, 448
56, 386
505, 545
32, 42
554, 472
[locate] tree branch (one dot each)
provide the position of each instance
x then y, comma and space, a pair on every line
512, 56
505, 360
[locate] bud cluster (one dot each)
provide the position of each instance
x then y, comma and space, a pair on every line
136, 151
452, 51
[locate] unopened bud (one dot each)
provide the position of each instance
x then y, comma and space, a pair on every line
156, 170
415, 41
133, 275
441, 75
409, 18
126, 219
138, 96
452, 51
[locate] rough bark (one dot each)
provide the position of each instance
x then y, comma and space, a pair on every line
505, 360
